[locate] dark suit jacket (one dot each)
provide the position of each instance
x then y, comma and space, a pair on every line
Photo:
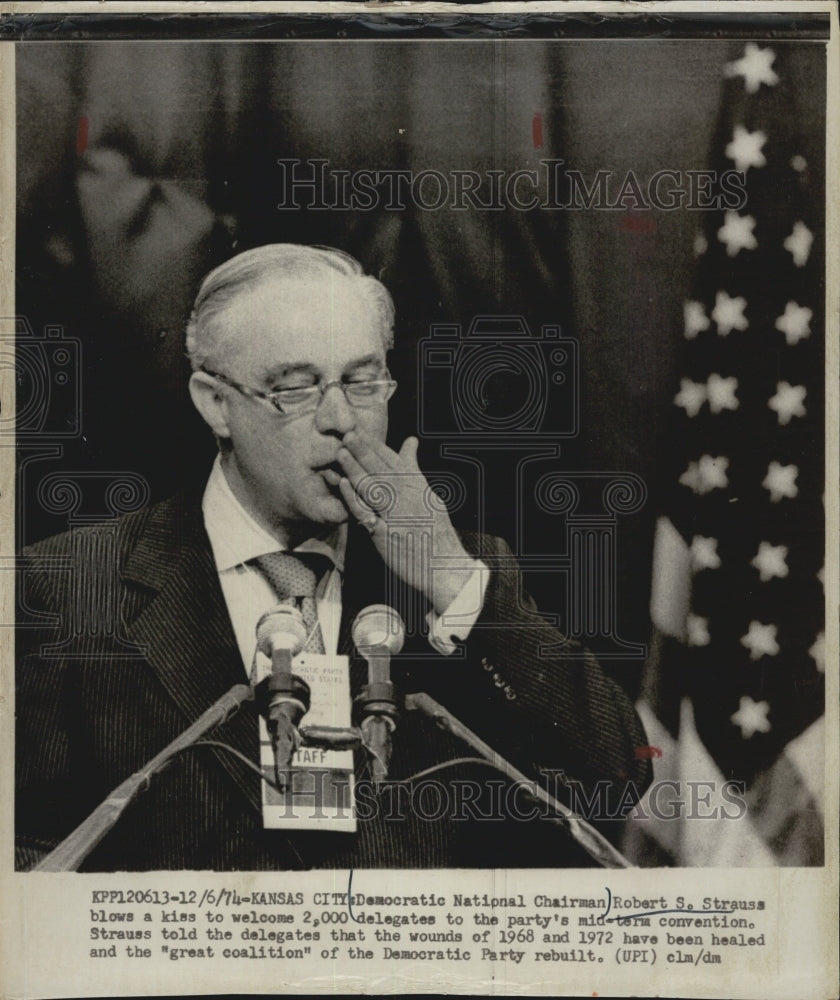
124, 639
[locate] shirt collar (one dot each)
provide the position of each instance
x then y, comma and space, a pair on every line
236, 538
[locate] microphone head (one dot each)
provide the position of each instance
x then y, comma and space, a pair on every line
378, 626
281, 627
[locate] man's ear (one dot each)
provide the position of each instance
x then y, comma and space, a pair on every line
210, 401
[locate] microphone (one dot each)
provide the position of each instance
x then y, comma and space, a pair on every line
283, 697
378, 633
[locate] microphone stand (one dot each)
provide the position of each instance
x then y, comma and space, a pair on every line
73, 850
594, 843
378, 632
377, 710
283, 698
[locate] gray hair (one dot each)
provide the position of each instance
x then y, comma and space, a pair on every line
286, 260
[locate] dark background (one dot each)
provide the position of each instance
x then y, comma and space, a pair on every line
141, 165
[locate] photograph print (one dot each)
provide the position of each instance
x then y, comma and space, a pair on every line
419, 446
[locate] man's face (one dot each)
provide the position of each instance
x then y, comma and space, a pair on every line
287, 334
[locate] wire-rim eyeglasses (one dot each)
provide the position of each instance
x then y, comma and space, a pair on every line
365, 393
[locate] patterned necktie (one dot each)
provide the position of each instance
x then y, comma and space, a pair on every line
293, 577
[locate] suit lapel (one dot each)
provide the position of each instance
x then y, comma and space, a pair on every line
185, 629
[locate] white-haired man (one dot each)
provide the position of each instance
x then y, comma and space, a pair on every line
288, 348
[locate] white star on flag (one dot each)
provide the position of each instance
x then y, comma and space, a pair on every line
817, 652
795, 323
691, 396
704, 553
770, 561
751, 717
696, 319
728, 313
745, 148
788, 401
760, 640
697, 630
755, 66
821, 577
721, 393
706, 475
798, 244
781, 481
701, 245
737, 233
799, 163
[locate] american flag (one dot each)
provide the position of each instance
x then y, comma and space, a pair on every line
738, 693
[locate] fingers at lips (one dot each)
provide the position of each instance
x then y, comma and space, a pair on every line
370, 452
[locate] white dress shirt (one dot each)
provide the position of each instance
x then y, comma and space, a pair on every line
236, 539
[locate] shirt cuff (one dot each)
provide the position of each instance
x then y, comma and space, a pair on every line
455, 624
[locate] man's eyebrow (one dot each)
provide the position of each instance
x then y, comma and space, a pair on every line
368, 359
307, 368
283, 370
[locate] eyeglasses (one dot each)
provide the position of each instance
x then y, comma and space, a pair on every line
363, 394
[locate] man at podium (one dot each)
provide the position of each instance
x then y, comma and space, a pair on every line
305, 502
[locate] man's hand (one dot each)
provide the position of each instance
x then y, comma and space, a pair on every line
409, 524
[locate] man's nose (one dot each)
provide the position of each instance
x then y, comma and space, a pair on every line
334, 412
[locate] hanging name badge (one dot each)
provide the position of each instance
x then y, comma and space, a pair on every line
321, 795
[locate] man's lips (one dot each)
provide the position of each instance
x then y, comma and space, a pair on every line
331, 472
